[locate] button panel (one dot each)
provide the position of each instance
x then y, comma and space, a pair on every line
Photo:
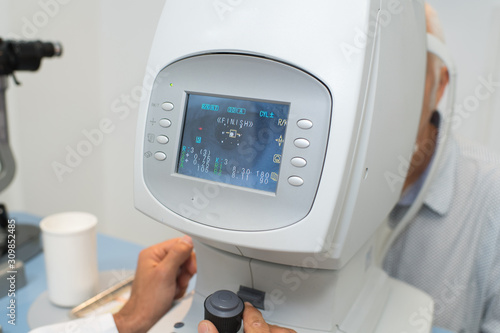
299, 161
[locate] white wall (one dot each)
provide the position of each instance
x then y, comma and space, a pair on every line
472, 32
106, 44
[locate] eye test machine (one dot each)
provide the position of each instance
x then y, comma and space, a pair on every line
268, 135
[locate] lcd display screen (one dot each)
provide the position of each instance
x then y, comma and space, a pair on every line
233, 141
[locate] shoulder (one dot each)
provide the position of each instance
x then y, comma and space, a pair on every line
473, 151
482, 166
480, 162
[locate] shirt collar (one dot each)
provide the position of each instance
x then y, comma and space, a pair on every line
410, 195
440, 193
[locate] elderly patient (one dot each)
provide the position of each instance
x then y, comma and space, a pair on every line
451, 249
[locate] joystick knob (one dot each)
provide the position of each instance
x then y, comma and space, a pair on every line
225, 310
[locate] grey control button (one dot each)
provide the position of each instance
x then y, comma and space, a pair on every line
305, 124
301, 143
295, 181
165, 122
298, 162
160, 156
167, 106
162, 139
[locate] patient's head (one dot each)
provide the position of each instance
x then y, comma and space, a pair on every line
435, 83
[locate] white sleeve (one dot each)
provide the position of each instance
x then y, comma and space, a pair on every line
99, 324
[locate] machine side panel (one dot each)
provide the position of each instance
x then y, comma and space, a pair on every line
388, 130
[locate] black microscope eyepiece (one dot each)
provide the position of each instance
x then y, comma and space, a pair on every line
25, 56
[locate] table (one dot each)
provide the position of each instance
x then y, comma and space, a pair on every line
113, 254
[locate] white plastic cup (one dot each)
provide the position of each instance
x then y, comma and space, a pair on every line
70, 251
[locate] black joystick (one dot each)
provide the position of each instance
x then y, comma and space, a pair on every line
225, 310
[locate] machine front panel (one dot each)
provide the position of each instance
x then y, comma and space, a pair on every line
235, 141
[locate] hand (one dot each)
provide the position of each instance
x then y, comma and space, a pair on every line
252, 323
162, 275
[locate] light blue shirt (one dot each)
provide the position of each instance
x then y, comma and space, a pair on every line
451, 249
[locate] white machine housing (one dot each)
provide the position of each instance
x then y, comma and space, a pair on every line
353, 69
375, 86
